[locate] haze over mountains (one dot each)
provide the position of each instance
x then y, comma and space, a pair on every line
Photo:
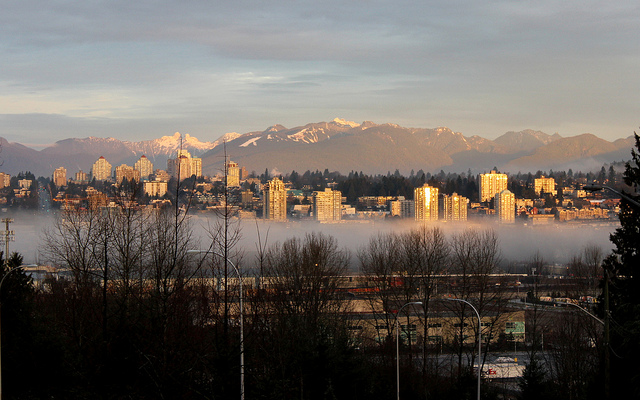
338, 145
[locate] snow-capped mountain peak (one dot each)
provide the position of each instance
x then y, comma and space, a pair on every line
340, 121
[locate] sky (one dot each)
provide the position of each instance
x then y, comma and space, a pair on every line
139, 70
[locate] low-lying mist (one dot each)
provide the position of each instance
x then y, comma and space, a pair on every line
555, 243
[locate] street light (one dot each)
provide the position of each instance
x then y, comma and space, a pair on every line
605, 324
205, 252
596, 188
479, 338
415, 303
1, 282
582, 309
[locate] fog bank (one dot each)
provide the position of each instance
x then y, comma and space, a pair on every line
556, 242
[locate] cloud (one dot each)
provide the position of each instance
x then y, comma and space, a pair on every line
480, 68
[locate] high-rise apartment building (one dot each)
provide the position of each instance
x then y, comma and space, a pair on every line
505, 206
233, 174
184, 166
60, 177
145, 166
274, 200
5, 180
455, 207
402, 208
545, 185
327, 205
101, 170
491, 184
426, 203
127, 172
81, 177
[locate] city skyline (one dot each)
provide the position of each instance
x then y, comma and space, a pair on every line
79, 70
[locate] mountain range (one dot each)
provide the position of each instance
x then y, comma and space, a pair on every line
338, 145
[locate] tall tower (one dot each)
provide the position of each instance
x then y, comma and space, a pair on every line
327, 205
491, 184
455, 207
60, 177
426, 203
233, 174
275, 200
101, 170
505, 204
145, 167
184, 165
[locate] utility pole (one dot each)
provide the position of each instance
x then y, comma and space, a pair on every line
8, 236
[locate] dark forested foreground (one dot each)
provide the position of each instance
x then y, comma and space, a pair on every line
140, 312
140, 309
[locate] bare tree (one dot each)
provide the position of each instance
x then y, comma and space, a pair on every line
586, 269
593, 255
424, 256
475, 256
381, 262
304, 335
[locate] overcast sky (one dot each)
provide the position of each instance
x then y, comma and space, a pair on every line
138, 70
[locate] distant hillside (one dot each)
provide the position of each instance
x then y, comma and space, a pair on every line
582, 152
338, 145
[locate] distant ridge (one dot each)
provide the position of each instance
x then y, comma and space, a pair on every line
339, 145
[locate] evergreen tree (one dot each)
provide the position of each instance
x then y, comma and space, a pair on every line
623, 269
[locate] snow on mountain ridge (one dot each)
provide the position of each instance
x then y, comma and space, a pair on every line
166, 145
227, 137
341, 121
306, 135
251, 141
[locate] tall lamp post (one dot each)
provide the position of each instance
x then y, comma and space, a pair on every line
596, 188
479, 338
205, 252
1, 282
414, 303
584, 310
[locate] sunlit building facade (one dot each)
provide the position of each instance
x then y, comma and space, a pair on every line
233, 174
101, 170
184, 166
545, 185
81, 177
455, 207
60, 177
505, 205
145, 166
128, 173
491, 184
155, 188
275, 200
327, 205
426, 203
5, 180
401, 208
